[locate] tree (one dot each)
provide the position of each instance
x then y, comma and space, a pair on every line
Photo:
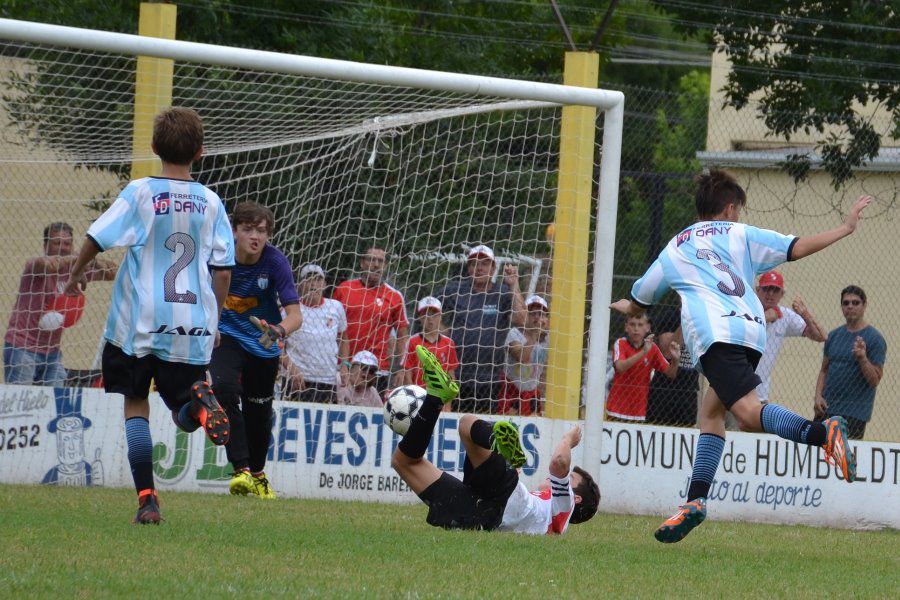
813, 62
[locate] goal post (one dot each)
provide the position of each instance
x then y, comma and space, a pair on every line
347, 154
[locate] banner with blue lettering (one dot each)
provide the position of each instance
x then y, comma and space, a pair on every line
75, 437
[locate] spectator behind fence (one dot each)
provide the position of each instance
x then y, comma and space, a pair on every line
852, 366
31, 349
360, 390
429, 312
781, 322
314, 351
522, 387
480, 313
635, 359
373, 309
673, 401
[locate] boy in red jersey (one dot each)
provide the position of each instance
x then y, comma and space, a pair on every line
635, 358
429, 311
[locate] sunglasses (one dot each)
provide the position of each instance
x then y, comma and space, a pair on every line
851, 302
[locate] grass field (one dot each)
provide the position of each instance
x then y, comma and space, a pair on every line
79, 543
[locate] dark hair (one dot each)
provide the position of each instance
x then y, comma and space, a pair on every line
590, 498
715, 191
252, 213
640, 315
855, 290
177, 135
54, 228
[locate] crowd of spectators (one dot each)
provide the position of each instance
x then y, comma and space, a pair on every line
354, 347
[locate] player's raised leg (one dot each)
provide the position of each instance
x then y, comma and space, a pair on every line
407, 460
831, 435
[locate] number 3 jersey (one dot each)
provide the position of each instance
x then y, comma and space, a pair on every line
163, 302
712, 266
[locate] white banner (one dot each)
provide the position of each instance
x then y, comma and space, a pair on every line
75, 436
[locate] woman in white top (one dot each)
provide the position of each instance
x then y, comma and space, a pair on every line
317, 353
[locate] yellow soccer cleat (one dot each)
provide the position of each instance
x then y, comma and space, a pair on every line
262, 488
241, 483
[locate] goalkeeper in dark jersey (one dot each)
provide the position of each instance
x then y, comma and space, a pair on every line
245, 361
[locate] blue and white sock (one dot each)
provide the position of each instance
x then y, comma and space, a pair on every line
185, 420
706, 461
791, 426
140, 452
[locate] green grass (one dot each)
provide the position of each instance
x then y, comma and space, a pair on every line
80, 543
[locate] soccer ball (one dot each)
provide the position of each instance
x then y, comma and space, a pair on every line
402, 405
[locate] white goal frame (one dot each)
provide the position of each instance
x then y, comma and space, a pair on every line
610, 102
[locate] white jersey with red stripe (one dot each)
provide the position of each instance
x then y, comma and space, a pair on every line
540, 512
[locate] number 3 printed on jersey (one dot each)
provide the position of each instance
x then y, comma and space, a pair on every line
170, 294
739, 288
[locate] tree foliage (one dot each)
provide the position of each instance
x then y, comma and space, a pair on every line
813, 65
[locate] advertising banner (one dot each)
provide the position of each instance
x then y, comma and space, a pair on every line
75, 437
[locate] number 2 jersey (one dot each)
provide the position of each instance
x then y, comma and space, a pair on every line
541, 512
163, 303
712, 266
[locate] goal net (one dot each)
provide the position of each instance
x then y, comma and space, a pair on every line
424, 174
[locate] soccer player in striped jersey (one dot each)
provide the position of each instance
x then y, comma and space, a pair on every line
167, 297
490, 496
243, 369
712, 265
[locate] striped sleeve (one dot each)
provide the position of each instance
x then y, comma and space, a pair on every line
647, 290
122, 223
768, 249
562, 503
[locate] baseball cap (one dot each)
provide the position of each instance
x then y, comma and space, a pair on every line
481, 250
312, 269
535, 299
771, 279
428, 302
365, 358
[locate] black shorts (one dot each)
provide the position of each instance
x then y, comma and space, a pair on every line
476, 502
316, 391
237, 372
731, 371
130, 375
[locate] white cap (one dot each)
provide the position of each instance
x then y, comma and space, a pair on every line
535, 299
365, 358
311, 269
429, 302
481, 250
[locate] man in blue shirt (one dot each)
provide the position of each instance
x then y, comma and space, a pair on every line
852, 366
712, 265
480, 313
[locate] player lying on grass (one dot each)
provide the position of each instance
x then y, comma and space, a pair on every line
712, 265
490, 496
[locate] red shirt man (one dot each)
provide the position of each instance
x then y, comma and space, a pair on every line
373, 310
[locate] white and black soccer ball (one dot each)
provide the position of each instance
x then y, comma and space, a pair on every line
402, 405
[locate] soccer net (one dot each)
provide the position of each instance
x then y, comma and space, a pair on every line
425, 174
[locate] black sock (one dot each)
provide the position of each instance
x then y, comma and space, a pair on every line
698, 489
815, 433
481, 433
415, 442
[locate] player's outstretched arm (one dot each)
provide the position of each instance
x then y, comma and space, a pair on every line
810, 244
561, 462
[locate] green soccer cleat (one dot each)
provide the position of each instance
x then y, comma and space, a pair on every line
437, 382
241, 483
506, 443
677, 526
262, 488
